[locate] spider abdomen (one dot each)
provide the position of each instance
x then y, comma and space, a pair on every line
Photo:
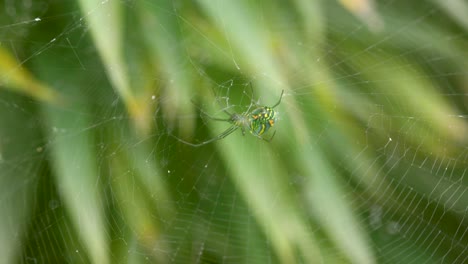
261, 119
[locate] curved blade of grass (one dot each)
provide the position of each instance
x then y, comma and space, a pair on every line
420, 96
365, 10
326, 201
247, 38
20, 161
74, 159
271, 204
15, 77
322, 191
456, 9
105, 20
139, 212
166, 47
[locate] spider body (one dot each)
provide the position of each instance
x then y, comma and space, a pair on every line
257, 122
261, 119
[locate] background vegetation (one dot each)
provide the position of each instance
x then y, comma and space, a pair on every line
368, 164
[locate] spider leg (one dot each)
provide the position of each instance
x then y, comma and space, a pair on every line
269, 139
214, 118
279, 101
252, 102
210, 116
252, 94
216, 95
224, 134
227, 112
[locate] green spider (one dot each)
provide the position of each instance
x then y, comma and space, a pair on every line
257, 122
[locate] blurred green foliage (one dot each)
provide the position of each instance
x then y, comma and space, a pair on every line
368, 164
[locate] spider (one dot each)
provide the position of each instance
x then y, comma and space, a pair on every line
257, 122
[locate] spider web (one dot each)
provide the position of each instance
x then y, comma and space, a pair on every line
363, 168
